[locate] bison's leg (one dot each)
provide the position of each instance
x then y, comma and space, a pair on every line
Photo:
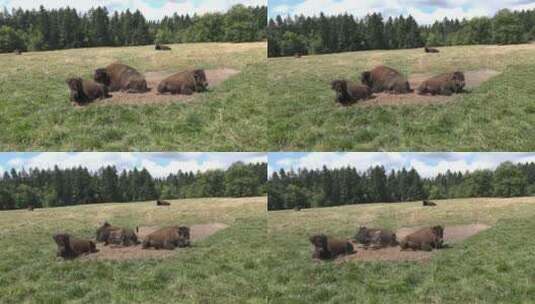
170, 245
187, 90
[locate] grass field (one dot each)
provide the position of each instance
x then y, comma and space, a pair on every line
224, 268
498, 115
495, 266
36, 115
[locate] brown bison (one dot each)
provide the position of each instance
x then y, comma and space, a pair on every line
17, 52
348, 93
424, 239
168, 238
377, 238
70, 248
385, 79
185, 83
443, 84
162, 203
431, 50
329, 248
298, 55
120, 77
160, 47
427, 203
30, 207
84, 91
115, 235
298, 208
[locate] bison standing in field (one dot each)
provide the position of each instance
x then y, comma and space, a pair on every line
83, 91
160, 47
115, 235
120, 77
326, 248
168, 238
443, 84
427, 203
385, 79
162, 203
377, 238
424, 239
186, 82
70, 248
431, 50
348, 93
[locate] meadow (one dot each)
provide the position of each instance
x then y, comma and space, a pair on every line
494, 266
223, 268
497, 115
36, 114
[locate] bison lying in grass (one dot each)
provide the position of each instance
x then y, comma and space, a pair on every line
329, 248
386, 79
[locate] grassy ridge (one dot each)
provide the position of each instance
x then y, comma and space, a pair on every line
495, 266
499, 115
36, 115
223, 268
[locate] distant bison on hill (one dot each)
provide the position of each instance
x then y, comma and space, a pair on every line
431, 50
120, 77
348, 93
427, 203
443, 84
160, 47
162, 203
17, 52
385, 79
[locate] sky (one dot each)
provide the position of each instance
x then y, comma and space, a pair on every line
158, 164
424, 11
151, 9
428, 164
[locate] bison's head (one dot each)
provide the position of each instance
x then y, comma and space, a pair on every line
458, 78
201, 82
63, 241
183, 236
103, 232
102, 76
319, 241
366, 79
438, 231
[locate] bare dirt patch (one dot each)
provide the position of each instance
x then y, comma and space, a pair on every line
215, 77
473, 80
452, 234
118, 253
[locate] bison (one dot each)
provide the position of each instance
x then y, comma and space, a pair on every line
427, 203
326, 248
443, 84
160, 47
186, 83
385, 79
84, 91
377, 238
168, 238
431, 50
70, 248
120, 77
348, 93
115, 235
162, 203
424, 239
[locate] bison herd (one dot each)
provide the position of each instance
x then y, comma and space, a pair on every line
386, 79
120, 77
427, 239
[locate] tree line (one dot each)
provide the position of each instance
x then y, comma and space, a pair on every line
63, 187
345, 186
37, 30
344, 33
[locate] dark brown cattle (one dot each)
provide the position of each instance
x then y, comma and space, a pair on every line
348, 93
84, 91
186, 83
443, 84
160, 47
329, 248
377, 238
431, 50
162, 203
427, 203
70, 248
168, 238
120, 77
385, 79
424, 239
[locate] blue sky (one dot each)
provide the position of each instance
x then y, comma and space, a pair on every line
152, 9
427, 164
424, 11
158, 164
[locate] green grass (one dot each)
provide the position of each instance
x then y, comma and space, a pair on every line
36, 115
495, 266
499, 115
224, 268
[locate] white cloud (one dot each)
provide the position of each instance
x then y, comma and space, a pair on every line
153, 162
152, 13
